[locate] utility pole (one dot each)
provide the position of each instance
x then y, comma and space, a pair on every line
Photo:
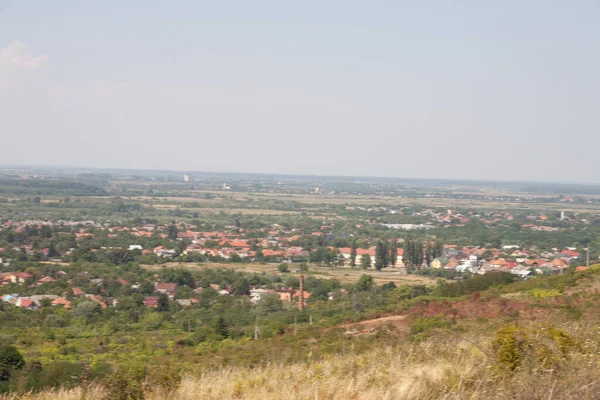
301, 296
588, 256
310, 318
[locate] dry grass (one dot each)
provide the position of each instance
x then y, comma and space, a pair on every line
444, 367
343, 274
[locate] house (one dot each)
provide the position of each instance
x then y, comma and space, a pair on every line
20, 277
46, 279
161, 251
37, 299
346, 252
568, 253
166, 288
184, 302
439, 262
61, 301
135, 247
25, 302
256, 295
77, 293
151, 301
10, 298
97, 299
522, 273
285, 294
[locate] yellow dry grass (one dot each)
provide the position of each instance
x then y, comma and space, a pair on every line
343, 274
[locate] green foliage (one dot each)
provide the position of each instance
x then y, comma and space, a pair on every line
221, 327
423, 326
125, 384
10, 360
283, 268
163, 303
365, 283
515, 347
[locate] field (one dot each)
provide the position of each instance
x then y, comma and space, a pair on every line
343, 274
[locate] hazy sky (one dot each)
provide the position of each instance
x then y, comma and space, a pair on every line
438, 89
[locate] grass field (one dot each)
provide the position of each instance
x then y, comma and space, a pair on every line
343, 274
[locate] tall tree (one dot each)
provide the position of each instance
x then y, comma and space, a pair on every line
407, 258
379, 255
51, 250
393, 252
172, 232
438, 249
353, 253
221, 327
428, 253
385, 254
418, 254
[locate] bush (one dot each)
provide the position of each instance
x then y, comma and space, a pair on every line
283, 268
544, 293
516, 347
423, 326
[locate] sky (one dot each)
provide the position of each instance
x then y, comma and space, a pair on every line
498, 90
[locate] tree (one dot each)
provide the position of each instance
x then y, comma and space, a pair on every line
428, 253
163, 302
382, 254
241, 287
407, 258
365, 261
393, 252
87, 310
172, 232
438, 249
51, 250
10, 360
283, 268
365, 283
353, 253
221, 327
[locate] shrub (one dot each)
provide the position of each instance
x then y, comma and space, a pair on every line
514, 347
423, 326
544, 293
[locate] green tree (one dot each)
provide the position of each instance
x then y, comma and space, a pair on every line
241, 287
381, 256
353, 253
172, 232
428, 253
365, 283
10, 360
365, 261
438, 249
221, 327
407, 258
51, 250
393, 252
283, 268
163, 303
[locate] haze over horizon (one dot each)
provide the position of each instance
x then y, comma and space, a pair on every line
470, 90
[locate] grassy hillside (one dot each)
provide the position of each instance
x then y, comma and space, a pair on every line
536, 339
